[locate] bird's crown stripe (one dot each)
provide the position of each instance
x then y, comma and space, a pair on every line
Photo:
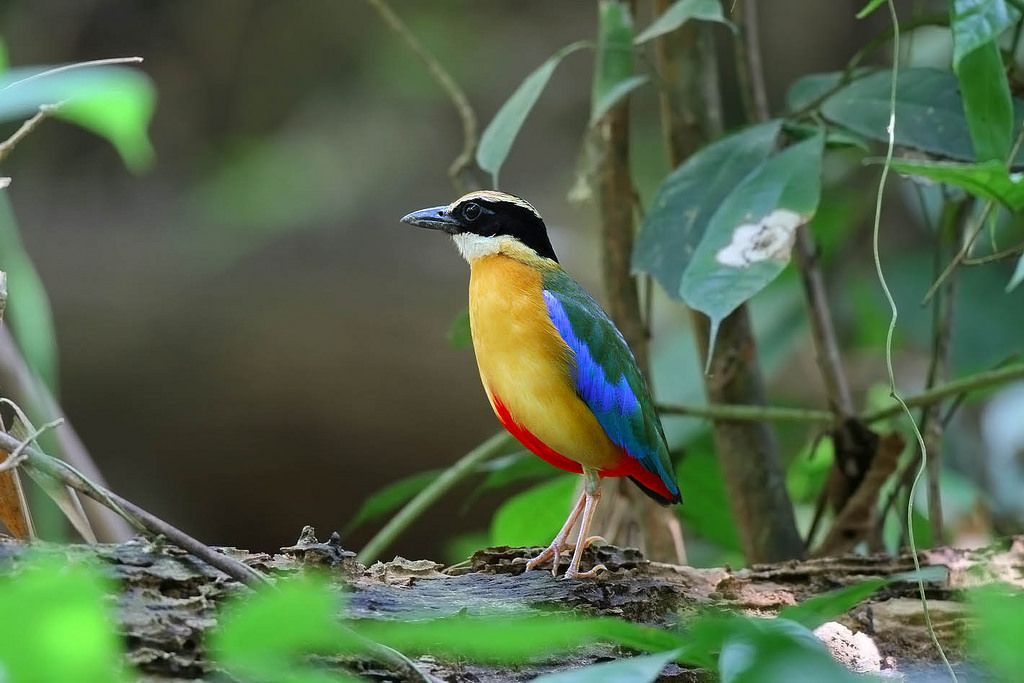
494, 196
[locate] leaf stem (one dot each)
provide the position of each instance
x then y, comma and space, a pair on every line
462, 468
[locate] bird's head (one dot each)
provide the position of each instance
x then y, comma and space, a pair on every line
487, 222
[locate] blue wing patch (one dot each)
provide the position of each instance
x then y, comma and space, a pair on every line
610, 383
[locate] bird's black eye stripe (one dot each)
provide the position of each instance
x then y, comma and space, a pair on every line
471, 211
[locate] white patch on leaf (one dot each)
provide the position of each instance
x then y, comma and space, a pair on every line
770, 238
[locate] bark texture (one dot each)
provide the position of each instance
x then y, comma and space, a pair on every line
168, 600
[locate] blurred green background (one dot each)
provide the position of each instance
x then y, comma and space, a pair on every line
249, 339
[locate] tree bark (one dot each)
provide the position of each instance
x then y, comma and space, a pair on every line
168, 600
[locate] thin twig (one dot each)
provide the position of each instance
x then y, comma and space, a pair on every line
8, 145
135, 515
77, 65
465, 466
18, 456
747, 413
1009, 252
464, 160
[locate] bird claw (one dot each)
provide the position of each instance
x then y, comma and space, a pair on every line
589, 574
552, 551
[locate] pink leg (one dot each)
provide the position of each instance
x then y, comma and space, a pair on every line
558, 545
574, 572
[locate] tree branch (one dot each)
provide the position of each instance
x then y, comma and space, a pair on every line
8, 145
463, 162
131, 512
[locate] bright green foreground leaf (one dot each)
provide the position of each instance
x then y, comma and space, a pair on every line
998, 632
613, 61
686, 200
57, 626
265, 637
113, 102
642, 669
777, 651
988, 180
977, 22
929, 111
987, 102
749, 239
496, 140
28, 307
682, 12
534, 516
511, 638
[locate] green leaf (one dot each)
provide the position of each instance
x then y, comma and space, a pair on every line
496, 140
514, 468
688, 197
997, 634
534, 516
929, 111
615, 95
113, 102
988, 179
58, 625
28, 307
1017, 277
987, 102
265, 637
642, 669
510, 638
869, 8
4, 61
680, 13
749, 239
391, 497
613, 60
706, 507
777, 650
815, 611
459, 334
976, 23
808, 89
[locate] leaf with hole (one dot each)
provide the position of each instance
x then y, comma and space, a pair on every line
682, 12
749, 239
613, 59
988, 179
496, 140
688, 197
113, 102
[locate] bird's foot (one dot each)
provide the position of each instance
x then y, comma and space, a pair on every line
553, 552
589, 574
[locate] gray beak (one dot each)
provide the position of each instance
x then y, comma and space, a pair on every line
434, 218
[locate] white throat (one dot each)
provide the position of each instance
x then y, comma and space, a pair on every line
474, 246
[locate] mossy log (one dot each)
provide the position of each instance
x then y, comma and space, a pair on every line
168, 599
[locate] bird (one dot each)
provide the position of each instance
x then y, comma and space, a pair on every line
557, 372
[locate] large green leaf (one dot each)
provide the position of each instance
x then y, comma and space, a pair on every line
28, 307
988, 179
112, 101
749, 239
705, 508
998, 631
978, 22
929, 111
534, 516
496, 140
613, 61
642, 669
266, 637
58, 625
778, 651
987, 103
679, 214
680, 13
